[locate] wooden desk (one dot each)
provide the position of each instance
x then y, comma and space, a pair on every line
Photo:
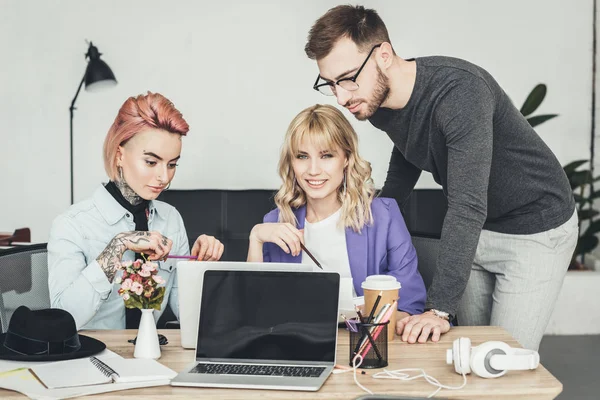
536, 384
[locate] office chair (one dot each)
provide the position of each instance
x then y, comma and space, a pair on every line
23, 280
427, 248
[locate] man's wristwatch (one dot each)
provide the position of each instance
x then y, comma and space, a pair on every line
440, 314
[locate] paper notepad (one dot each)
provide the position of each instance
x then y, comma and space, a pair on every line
96, 371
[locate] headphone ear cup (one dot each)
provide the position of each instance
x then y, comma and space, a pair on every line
481, 359
460, 355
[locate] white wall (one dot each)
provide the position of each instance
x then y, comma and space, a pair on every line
579, 292
238, 73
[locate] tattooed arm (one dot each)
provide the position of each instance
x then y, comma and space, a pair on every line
111, 256
152, 244
77, 281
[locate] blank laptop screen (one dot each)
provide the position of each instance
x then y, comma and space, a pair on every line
266, 315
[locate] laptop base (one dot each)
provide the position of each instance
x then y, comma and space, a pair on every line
251, 381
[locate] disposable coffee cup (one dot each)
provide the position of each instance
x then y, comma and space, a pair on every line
389, 288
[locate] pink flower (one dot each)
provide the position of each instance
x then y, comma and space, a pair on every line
137, 288
158, 279
126, 285
126, 296
127, 263
149, 266
137, 264
144, 273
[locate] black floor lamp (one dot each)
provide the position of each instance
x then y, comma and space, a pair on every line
97, 77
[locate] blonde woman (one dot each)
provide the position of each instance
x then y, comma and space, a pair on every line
327, 202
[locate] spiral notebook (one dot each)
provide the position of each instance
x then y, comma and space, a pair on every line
96, 371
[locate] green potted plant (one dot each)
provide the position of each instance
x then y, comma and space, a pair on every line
581, 180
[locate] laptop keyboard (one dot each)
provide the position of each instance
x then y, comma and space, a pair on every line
260, 370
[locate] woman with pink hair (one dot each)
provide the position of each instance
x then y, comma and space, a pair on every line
123, 220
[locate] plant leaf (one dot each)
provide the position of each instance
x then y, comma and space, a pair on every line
580, 178
133, 302
587, 243
534, 99
582, 201
157, 298
539, 119
572, 166
593, 228
587, 214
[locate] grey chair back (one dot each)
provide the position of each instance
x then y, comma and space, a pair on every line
23, 280
427, 248
229, 215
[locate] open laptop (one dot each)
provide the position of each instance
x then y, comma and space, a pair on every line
254, 332
190, 275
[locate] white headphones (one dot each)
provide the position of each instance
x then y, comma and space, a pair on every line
489, 359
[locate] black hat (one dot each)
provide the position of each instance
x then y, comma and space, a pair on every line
45, 335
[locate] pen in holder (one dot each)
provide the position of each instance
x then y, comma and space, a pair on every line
370, 341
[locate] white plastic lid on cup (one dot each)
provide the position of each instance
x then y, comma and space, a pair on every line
381, 282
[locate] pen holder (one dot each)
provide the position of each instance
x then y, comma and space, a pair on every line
370, 341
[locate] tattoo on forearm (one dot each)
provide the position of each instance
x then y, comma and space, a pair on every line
137, 241
111, 256
139, 233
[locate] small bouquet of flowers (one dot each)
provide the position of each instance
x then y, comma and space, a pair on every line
139, 284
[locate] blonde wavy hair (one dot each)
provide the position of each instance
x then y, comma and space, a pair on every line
327, 128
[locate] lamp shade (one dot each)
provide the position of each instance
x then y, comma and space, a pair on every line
98, 74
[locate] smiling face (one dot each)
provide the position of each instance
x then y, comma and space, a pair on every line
149, 160
319, 170
343, 61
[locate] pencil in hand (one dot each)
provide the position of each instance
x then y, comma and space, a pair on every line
310, 255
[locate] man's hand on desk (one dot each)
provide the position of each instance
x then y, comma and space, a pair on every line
421, 326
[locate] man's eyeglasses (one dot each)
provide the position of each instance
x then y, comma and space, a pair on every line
329, 88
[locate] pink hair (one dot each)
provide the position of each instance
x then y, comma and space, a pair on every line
152, 110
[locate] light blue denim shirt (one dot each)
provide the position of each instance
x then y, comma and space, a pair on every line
76, 281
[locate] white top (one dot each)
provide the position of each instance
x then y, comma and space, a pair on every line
327, 242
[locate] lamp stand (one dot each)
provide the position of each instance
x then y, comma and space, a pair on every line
71, 111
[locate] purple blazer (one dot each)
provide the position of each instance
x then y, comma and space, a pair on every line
384, 247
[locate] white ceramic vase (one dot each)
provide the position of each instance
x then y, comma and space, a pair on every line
146, 344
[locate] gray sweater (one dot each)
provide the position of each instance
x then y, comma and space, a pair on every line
496, 172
